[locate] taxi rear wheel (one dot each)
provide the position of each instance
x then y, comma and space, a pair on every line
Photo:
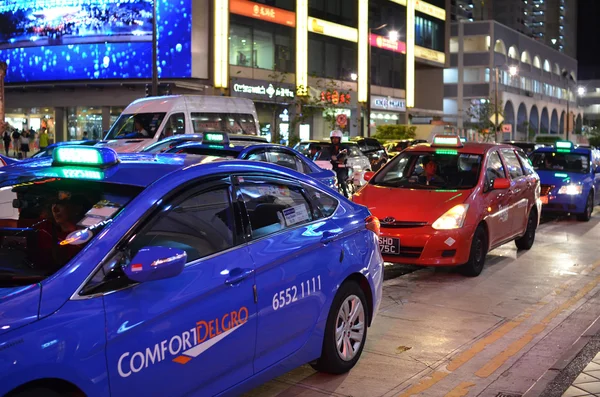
526, 241
345, 332
477, 255
589, 208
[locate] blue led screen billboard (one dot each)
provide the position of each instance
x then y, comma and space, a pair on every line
53, 40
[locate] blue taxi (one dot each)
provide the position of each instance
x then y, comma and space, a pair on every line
570, 178
143, 274
220, 144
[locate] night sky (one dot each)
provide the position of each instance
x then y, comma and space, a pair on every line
588, 43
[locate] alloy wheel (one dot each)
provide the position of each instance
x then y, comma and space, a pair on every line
350, 328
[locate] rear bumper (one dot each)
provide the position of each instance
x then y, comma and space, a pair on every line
426, 246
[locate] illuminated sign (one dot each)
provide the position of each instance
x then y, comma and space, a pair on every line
363, 50
254, 10
410, 54
335, 97
388, 103
302, 47
426, 8
221, 44
332, 29
94, 40
430, 55
266, 89
386, 44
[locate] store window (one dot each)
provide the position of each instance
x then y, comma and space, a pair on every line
261, 45
84, 123
387, 68
429, 33
331, 58
385, 12
343, 12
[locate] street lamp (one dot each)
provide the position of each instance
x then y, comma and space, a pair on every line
392, 35
581, 91
353, 76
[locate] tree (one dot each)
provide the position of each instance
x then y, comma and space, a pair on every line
394, 131
481, 118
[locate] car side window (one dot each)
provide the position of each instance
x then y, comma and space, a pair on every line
175, 125
512, 162
284, 159
201, 225
273, 207
257, 156
494, 170
527, 166
325, 203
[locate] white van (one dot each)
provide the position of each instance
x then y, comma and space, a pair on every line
148, 120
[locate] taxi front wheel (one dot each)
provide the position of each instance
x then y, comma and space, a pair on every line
345, 332
477, 255
589, 208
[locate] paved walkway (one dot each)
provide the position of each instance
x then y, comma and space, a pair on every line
588, 382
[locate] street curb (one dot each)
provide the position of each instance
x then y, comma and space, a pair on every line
543, 381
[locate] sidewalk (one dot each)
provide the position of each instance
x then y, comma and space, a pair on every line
588, 381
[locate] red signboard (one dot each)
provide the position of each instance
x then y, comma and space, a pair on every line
386, 44
260, 11
335, 97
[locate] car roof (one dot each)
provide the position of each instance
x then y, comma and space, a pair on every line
326, 142
468, 147
134, 169
236, 146
552, 149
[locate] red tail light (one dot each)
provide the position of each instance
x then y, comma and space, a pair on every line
372, 223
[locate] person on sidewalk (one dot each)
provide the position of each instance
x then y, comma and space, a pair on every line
24, 144
15, 137
44, 139
6, 138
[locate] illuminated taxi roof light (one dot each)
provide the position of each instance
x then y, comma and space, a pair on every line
564, 145
561, 175
88, 156
216, 137
73, 173
447, 140
447, 151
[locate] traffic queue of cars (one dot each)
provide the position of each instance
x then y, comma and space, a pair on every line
149, 271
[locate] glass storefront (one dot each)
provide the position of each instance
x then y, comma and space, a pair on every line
261, 45
28, 118
382, 118
268, 114
84, 123
331, 58
429, 33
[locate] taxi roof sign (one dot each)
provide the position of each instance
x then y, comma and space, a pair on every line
447, 141
84, 156
215, 137
564, 145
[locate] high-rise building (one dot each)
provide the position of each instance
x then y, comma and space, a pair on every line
552, 22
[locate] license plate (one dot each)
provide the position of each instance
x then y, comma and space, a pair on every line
544, 199
389, 246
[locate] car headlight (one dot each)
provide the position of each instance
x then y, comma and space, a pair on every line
571, 189
453, 219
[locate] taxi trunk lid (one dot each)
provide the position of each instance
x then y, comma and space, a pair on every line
19, 306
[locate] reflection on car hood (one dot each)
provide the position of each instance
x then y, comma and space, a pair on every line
127, 145
409, 205
18, 306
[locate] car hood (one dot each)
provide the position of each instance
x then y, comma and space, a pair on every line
409, 205
127, 145
559, 178
18, 306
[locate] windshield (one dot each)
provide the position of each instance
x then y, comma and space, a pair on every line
569, 162
45, 222
435, 170
135, 126
232, 123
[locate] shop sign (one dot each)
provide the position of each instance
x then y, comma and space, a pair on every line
254, 10
430, 55
386, 44
334, 97
264, 90
331, 29
388, 103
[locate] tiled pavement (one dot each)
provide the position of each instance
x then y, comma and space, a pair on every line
588, 382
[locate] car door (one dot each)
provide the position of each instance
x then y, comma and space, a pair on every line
496, 201
196, 332
296, 250
518, 193
595, 173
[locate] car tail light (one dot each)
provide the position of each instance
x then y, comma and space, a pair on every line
372, 224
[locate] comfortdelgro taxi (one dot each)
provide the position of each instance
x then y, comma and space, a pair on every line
140, 274
449, 203
570, 179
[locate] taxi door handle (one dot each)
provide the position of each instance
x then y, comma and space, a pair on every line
238, 275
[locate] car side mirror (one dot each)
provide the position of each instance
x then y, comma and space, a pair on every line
501, 184
156, 263
368, 175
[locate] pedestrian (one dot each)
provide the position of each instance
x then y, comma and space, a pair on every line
6, 138
15, 137
24, 144
31, 137
44, 139
85, 136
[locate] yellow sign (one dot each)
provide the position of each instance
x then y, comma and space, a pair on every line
331, 29
430, 55
301, 47
426, 8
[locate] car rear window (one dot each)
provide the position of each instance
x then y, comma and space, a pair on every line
45, 222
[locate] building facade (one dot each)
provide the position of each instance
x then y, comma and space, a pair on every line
81, 76
533, 98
